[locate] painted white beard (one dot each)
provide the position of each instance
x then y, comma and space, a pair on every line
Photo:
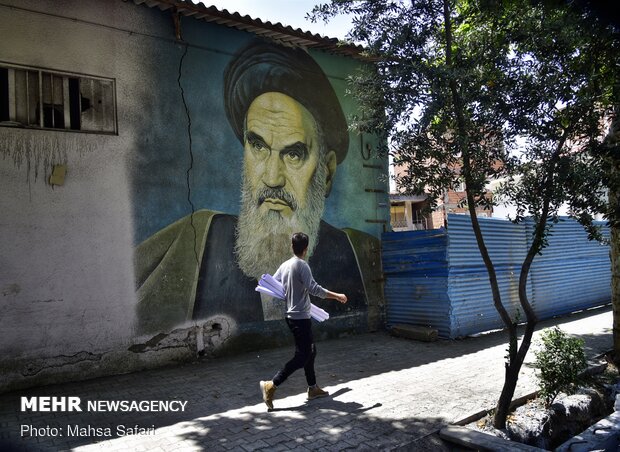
264, 241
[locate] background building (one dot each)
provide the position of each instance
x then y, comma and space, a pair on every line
411, 212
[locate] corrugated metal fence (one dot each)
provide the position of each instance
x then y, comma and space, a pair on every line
438, 279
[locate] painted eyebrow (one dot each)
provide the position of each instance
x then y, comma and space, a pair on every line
252, 137
300, 147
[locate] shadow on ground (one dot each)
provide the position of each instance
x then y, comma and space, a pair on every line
215, 388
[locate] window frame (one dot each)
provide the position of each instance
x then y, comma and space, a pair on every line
67, 113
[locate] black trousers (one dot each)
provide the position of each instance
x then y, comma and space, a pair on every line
305, 352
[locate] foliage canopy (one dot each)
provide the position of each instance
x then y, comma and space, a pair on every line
478, 90
523, 88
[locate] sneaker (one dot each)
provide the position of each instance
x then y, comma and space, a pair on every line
268, 389
316, 392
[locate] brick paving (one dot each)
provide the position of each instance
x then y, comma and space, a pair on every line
387, 393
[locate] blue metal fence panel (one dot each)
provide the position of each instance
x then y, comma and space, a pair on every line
415, 252
471, 301
418, 301
572, 272
416, 274
437, 278
505, 241
469, 289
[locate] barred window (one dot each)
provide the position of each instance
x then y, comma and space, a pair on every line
398, 218
43, 99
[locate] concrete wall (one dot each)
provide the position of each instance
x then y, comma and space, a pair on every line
82, 268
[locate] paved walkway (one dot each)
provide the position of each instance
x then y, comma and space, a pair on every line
387, 393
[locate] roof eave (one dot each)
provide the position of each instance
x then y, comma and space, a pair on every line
282, 33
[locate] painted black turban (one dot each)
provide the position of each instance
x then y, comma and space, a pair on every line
262, 67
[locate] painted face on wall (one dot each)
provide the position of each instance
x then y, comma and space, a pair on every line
287, 174
281, 152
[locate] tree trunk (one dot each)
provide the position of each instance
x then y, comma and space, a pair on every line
613, 144
513, 367
614, 254
615, 283
508, 390
517, 357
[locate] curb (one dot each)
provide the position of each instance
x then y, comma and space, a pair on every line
457, 432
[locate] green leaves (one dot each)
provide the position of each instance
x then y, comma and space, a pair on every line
560, 363
515, 92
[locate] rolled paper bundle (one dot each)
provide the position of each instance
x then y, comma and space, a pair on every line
271, 283
271, 280
267, 291
317, 313
276, 293
324, 315
272, 287
319, 317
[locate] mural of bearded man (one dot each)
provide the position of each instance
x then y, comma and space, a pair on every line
288, 119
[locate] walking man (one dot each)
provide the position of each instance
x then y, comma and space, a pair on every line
296, 277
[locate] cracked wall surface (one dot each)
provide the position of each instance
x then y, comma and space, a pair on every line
131, 263
66, 260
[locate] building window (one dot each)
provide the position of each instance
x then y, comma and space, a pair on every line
42, 99
398, 216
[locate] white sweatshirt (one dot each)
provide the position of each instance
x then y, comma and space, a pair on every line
296, 277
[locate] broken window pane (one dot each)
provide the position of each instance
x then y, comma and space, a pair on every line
97, 104
45, 99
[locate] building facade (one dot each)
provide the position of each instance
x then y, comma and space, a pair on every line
413, 212
156, 157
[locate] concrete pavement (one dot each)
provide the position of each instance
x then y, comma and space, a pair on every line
387, 393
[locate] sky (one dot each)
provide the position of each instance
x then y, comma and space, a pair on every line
287, 12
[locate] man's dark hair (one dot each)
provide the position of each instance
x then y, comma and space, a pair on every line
300, 243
